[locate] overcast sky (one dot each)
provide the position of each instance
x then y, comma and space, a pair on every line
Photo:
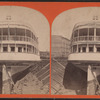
64, 22
36, 19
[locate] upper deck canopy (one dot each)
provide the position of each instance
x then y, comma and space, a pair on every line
90, 24
86, 31
13, 29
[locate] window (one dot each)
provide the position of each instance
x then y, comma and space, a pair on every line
20, 32
79, 49
74, 48
24, 49
76, 33
28, 48
98, 49
90, 49
91, 31
12, 31
98, 32
19, 49
84, 49
83, 32
12, 49
28, 33
5, 34
5, 49
5, 31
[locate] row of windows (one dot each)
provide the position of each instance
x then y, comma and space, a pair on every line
17, 32
86, 32
84, 49
19, 48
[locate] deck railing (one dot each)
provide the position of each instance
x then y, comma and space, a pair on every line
86, 38
17, 38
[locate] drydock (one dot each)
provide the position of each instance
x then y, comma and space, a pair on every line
33, 80
84, 58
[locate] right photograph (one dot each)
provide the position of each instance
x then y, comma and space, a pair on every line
75, 52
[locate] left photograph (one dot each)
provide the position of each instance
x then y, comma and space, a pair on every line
24, 51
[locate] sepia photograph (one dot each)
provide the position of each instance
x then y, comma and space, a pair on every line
24, 51
75, 55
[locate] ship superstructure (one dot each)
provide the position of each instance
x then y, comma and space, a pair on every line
18, 42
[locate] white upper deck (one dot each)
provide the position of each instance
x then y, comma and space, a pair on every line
85, 42
18, 42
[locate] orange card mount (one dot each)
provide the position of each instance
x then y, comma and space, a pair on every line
50, 10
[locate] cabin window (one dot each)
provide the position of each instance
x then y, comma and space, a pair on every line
20, 32
83, 32
98, 49
79, 49
24, 49
83, 49
5, 31
12, 49
28, 48
91, 31
90, 49
12, 31
98, 32
28, 33
74, 48
19, 49
5, 49
76, 33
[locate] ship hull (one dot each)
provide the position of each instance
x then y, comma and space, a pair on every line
80, 75
16, 66
15, 70
83, 60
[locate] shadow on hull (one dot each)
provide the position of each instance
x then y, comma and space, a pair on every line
75, 79
18, 76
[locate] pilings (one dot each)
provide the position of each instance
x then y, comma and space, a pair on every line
7, 87
93, 86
